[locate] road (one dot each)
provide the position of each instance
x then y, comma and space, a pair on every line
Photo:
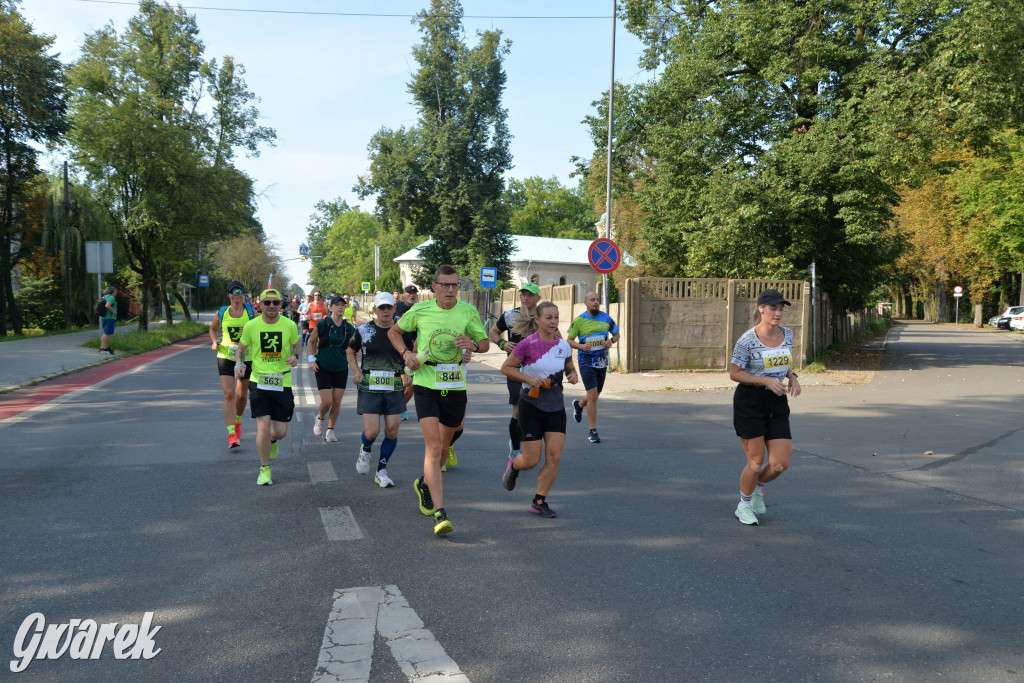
891, 549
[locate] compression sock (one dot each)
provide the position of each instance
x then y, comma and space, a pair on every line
238, 418
367, 443
387, 447
538, 499
231, 430
515, 434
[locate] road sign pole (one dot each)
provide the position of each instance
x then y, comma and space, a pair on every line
608, 160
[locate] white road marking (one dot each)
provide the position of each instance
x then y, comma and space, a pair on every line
359, 613
321, 471
340, 524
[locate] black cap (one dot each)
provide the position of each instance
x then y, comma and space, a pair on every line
337, 299
770, 297
411, 289
235, 284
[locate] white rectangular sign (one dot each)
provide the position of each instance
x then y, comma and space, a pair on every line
99, 257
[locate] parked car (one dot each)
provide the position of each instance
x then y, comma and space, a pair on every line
994, 320
1008, 315
1017, 318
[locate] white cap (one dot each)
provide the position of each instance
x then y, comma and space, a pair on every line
383, 299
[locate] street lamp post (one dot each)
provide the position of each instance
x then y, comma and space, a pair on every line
67, 252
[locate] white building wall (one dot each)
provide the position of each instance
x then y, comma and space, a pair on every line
585, 277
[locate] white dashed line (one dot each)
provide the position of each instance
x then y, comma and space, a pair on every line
321, 472
340, 524
359, 613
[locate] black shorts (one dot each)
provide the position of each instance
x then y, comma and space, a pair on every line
536, 423
380, 403
514, 389
325, 379
279, 405
757, 412
593, 377
449, 407
226, 366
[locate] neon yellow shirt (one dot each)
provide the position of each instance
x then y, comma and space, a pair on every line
230, 333
270, 345
436, 329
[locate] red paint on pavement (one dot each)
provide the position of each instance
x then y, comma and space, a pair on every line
19, 401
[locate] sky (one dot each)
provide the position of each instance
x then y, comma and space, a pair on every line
327, 82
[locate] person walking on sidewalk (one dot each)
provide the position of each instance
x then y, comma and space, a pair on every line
761, 360
327, 359
225, 332
538, 363
379, 382
529, 295
274, 342
445, 327
596, 332
108, 320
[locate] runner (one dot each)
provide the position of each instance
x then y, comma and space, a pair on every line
316, 312
445, 327
380, 386
270, 394
761, 360
327, 344
225, 331
593, 328
529, 295
304, 317
538, 363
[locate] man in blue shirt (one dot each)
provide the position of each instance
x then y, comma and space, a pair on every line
596, 332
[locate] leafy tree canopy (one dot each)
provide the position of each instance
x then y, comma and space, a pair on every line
544, 208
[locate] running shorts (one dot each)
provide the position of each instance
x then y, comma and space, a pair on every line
226, 367
593, 377
380, 403
536, 423
758, 412
514, 389
449, 407
279, 405
325, 379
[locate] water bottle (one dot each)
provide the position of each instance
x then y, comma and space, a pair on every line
421, 357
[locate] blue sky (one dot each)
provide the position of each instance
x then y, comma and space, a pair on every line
328, 83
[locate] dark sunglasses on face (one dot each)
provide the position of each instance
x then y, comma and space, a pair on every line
236, 292
271, 302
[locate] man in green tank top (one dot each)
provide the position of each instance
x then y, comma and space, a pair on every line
225, 331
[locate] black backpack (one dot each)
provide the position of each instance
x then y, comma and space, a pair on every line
101, 307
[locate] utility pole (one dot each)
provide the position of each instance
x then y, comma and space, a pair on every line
608, 184
67, 252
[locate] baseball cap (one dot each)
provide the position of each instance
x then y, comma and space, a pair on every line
411, 289
235, 285
337, 299
269, 292
530, 287
383, 299
770, 297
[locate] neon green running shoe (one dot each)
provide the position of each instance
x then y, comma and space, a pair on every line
441, 523
745, 514
757, 502
264, 478
273, 450
453, 460
423, 493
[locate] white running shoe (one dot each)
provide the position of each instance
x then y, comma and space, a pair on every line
329, 436
363, 463
757, 502
383, 480
745, 514
318, 426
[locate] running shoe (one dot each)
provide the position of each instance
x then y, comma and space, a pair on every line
330, 437
264, 478
273, 450
405, 417
453, 460
508, 480
441, 523
383, 480
758, 502
594, 438
318, 426
745, 513
363, 462
542, 509
233, 441
423, 493
238, 429
577, 411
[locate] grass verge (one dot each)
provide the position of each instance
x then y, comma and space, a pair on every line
33, 332
139, 342
847, 356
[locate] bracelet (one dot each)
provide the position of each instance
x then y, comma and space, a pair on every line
501, 344
476, 344
239, 365
405, 352
311, 359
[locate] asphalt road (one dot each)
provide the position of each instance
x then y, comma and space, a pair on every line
891, 550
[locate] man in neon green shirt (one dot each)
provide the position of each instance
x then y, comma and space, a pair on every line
445, 327
274, 341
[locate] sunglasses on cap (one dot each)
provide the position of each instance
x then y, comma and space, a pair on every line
271, 302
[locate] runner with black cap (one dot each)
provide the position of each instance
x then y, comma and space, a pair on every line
274, 341
327, 359
761, 360
225, 331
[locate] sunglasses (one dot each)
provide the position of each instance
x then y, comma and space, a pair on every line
236, 292
271, 302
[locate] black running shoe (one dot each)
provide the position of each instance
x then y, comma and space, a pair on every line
542, 509
577, 411
423, 493
594, 438
508, 480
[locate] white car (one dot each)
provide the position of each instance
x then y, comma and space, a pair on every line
1017, 318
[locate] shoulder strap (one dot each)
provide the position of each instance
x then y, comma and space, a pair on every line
250, 310
220, 313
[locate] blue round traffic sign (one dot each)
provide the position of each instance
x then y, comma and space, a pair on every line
604, 255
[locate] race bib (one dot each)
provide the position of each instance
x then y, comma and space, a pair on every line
777, 358
381, 380
232, 348
271, 381
595, 343
449, 376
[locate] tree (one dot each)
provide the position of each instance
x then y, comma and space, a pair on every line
250, 261
779, 134
543, 208
157, 127
348, 256
32, 109
316, 236
443, 177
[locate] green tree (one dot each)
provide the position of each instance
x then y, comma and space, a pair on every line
348, 256
32, 110
544, 208
249, 260
316, 236
443, 177
157, 128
